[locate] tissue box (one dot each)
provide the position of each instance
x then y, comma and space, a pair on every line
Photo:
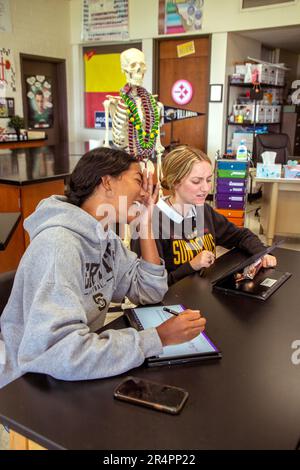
268, 171
292, 172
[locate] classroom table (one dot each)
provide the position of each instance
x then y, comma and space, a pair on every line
247, 400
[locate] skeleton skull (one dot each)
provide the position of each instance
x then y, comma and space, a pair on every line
134, 66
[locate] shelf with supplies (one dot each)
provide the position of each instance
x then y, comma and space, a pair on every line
249, 123
249, 85
230, 195
259, 111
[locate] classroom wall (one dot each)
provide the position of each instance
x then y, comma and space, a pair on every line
53, 28
39, 27
77, 130
239, 48
221, 18
216, 111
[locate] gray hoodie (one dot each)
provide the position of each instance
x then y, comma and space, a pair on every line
67, 278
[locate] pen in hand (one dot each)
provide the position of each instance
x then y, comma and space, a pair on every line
173, 312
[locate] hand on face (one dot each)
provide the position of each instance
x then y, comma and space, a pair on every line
149, 196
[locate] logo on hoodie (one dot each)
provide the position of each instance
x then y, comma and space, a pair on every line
100, 301
97, 275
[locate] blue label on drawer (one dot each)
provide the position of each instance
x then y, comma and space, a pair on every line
232, 165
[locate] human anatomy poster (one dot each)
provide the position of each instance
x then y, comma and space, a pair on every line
105, 20
180, 16
39, 98
7, 73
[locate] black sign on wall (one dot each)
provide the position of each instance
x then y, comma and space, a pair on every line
177, 114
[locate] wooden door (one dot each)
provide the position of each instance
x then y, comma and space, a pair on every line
44, 100
195, 69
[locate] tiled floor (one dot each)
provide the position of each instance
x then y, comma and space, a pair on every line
252, 222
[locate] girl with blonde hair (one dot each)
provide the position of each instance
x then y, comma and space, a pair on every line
188, 230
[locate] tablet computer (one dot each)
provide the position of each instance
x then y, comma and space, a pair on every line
197, 349
261, 287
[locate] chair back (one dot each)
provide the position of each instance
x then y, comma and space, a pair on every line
279, 143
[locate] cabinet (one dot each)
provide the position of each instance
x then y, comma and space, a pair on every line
231, 189
291, 127
243, 119
24, 199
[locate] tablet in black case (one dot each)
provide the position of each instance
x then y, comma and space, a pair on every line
264, 284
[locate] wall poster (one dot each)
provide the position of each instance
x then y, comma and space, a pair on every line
5, 17
103, 76
105, 20
180, 16
39, 99
7, 73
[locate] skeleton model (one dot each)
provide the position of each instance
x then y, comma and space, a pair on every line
135, 113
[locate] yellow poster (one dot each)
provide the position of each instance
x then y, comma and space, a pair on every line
103, 73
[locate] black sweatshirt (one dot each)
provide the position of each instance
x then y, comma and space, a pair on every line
180, 239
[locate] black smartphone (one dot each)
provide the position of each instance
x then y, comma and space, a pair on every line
151, 394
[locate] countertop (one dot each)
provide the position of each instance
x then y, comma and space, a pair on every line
26, 166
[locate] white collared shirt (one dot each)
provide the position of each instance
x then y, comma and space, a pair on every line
172, 213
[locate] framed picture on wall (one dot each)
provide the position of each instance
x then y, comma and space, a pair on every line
3, 108
7, 107
215, 93
10, 106
39, 98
